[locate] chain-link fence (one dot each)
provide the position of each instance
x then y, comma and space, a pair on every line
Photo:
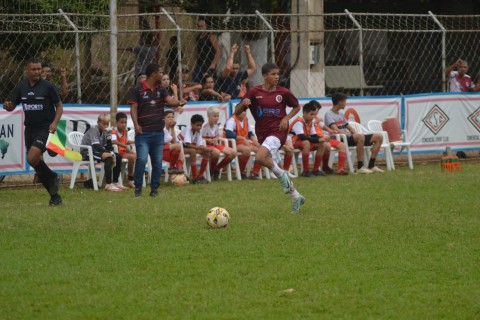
361, 54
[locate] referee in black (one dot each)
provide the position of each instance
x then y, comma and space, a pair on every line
43, 108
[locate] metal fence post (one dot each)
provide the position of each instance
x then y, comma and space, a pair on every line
272, 34
113, 60
77, 55
360, 47
444, 50
179, 52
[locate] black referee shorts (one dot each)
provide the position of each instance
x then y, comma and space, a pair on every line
37, 137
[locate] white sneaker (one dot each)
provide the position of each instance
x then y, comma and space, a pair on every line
364, 170
120, 186
376, 169
131, 184
111, 187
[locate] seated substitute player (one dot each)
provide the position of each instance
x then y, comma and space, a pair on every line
268, 103
211, 133
306, 139
339, 124
171, 147
120, 138
340, 146
99, 137
237, 128
193, 145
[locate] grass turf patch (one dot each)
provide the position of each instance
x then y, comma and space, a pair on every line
401, 244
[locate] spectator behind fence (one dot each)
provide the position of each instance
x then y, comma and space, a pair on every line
230, 81
145, 53
47, 75
339, 125
208, 92
459, 80
171, 65
191, 90
120, 138
208, 52
99, 137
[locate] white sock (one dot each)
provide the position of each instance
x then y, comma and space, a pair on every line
294, 193
277, 171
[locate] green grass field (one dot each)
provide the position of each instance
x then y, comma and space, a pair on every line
398, 245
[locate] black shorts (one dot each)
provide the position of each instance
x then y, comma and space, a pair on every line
368, 140
37, 137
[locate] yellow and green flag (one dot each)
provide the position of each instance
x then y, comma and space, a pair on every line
54, 144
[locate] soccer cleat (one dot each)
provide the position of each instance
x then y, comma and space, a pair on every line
112, 188
285, 182
200, 180
376, 169
154, 193
138, 192
328, 170
364, 170
319, 173
307, 174
175, 171
216, 175
342, 173
131, 184
254, 176
54, 184
243, 176
297, 203
55, 200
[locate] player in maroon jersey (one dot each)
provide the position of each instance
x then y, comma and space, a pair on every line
268, 103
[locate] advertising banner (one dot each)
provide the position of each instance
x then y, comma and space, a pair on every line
434, 122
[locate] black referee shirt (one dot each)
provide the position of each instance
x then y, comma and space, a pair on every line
151, 103
38, 102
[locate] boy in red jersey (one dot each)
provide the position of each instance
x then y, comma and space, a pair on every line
120, 138
268, 103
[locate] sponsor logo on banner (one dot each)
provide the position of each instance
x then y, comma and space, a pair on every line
435, 119
474, 119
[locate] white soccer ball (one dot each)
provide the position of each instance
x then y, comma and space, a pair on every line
218, 218
179, 180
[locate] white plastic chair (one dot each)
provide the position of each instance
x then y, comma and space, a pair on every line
343, 138
386, 147
376, 126
234, 161
75, 140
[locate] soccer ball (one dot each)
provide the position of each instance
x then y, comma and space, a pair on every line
218, 218
179, 180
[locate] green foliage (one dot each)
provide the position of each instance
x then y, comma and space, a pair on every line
398, 245
22, 46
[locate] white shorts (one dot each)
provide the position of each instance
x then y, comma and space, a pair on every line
273, 144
